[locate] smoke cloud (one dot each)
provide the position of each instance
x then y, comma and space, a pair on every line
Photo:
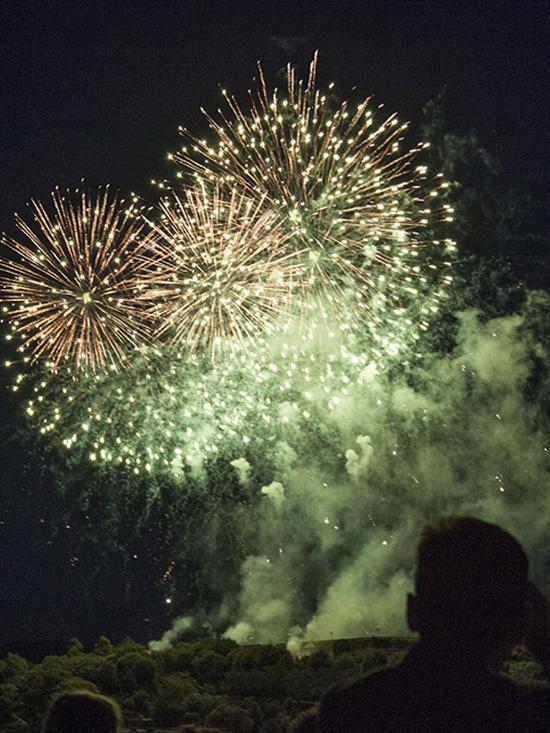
306, 530
181, 624
466, 432
242, 467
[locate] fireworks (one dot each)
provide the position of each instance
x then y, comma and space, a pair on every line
299, 255
71, 287
300, 205
350, 200
169, 411
302, 254
219, 271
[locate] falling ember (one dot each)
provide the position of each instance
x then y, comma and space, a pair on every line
72, 279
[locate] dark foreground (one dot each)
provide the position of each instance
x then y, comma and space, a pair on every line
213, 682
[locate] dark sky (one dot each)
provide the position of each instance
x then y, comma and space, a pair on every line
98, 89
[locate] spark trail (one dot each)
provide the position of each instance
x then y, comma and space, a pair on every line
71, 287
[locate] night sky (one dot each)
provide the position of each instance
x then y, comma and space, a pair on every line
98, 90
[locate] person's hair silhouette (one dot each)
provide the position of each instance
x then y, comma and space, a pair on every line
83, 712
471, 587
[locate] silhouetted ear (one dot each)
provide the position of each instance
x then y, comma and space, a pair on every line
412, 612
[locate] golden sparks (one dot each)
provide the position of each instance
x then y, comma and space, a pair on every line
72, 280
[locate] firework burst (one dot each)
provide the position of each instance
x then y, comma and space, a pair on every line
351, 200
171, 411
71, 282
299, 206
219, 271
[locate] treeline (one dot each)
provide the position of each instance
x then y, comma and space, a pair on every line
212, 682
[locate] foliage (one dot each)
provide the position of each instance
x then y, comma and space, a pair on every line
212, 682
232, 718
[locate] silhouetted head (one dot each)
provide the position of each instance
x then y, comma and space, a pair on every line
471, 585
83, 712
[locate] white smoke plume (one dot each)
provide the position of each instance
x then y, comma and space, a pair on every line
357, 464
242, 467
329, 551
181, 624
335, 559
276, 492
